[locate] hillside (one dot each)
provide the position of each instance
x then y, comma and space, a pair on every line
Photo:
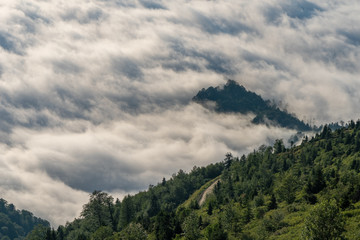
235, 98
16, 224
268, 194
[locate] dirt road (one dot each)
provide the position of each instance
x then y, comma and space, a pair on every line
207, 192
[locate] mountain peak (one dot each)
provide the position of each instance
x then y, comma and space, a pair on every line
233, 97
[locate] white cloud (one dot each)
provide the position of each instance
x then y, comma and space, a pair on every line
95, 89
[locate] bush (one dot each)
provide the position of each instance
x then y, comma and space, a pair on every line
324, 222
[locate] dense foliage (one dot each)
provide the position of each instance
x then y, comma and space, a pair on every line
310, 191
16, 224
136, 216
235, 98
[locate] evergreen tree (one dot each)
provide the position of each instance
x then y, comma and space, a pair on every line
228, 160
210, 208
272, 204
279, 146
216, 232
99, 211
191, 227
39, 233
134, 231
154, 206
102, 233
126, 213
164, 226
317, 181
287, 189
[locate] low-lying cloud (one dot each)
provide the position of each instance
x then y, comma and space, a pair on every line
96, 94
125, 155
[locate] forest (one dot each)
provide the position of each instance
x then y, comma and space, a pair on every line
308, 191
16, 224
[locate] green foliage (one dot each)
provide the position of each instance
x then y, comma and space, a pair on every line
99, 211
274, 221
235, 98
102, 233
134, 231
272, 204
153, 210
324, 222
16, 224
267, 194
38, 233
216, 232
191, 227
164, 226
287, 188
279, 146
127, 212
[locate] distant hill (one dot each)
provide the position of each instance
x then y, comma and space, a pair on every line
235, 98
16, 224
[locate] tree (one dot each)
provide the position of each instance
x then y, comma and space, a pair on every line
50, 234
134, 231
60, 233
317, 181
191, 227
154, 206
279, 146
164, 227
325, 222
102, 233
39, 233
228, 160
210, 208
273, 203
216, 232
99, 211
126, 212
286, 190
326, 132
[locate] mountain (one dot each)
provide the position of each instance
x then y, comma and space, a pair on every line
310, 191
16, 224
236, 99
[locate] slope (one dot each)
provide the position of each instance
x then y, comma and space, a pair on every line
235, 98
16, 224
268, 194
273, 192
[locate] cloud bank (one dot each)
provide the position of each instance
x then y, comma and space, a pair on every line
96, 94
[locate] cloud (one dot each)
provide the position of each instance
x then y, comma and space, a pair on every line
8, 43
96, 94
30, 188
298, 9
128, 68
84, 16
152, 4
121, 157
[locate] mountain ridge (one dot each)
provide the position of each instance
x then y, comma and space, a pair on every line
234, 98
16, 224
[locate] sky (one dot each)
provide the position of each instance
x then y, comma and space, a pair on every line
96, 94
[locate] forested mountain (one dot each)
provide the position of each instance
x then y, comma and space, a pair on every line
16, 224
310, 191
235, 98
